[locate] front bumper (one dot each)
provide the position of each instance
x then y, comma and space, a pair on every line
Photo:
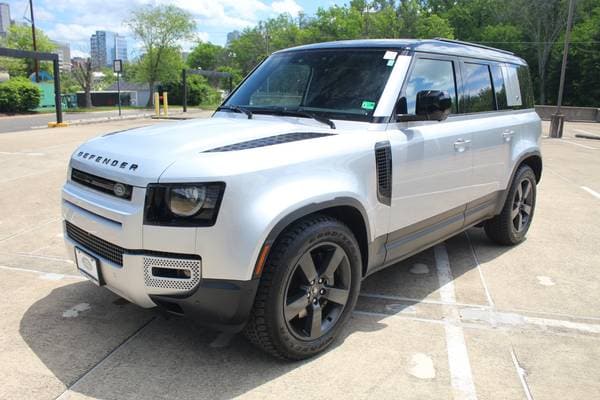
146, 279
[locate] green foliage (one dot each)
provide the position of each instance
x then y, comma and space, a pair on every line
164, 67
236, 77
68, 83
19, 95
199, 92
19, 37
206, 56
583, 73
432, 26
108, 79
160, 29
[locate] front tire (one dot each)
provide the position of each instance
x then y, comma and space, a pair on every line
308, 289
511, 225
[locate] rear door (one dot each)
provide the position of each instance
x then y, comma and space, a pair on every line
484, 98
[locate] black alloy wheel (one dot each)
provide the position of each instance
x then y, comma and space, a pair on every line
511, 225
308, 288
317, 291
522, 205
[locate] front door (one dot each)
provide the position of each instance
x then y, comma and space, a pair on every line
432, 164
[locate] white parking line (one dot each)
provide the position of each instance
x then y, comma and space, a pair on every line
578, 144
592, 192
413, 300
461, 376
33, 271
18, 153
522, 373
483, 282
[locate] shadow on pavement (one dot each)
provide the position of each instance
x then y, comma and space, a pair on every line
173, 358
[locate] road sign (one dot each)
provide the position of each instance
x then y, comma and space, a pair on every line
118, 66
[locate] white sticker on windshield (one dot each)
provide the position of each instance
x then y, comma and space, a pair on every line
390, 55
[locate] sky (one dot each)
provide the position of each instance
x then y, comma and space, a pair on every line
74, 21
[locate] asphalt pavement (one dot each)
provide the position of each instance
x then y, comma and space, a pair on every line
466, 319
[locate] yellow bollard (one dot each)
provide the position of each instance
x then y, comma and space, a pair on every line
166, 103
157, 104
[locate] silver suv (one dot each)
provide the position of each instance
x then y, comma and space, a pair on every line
329, 162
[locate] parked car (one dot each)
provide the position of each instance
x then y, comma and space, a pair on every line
326, 164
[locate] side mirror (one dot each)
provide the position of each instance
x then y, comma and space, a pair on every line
431, 105
434, 105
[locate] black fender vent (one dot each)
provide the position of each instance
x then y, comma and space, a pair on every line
269, 141
383, 164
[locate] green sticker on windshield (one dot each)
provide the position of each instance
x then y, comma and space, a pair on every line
368, 105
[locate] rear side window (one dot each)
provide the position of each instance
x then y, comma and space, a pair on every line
517, 92
428, 74
526, 86
478, 94
513, 88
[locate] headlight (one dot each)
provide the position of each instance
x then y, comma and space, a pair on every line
186, 201
185, 204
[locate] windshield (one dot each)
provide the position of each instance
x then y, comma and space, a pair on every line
341, 84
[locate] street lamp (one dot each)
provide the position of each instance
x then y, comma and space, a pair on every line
558, 120
118, 69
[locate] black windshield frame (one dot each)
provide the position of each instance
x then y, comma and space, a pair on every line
263, 68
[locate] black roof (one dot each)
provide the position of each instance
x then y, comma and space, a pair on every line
434, 46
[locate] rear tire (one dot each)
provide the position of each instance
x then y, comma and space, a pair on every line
511, 225
308, 289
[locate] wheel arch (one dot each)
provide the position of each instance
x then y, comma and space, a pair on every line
533, 159
347, 210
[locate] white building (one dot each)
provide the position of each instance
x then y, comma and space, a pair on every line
4, 19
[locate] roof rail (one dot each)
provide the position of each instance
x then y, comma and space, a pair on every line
474, 45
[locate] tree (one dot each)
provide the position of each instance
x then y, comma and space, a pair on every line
19, 37
545, 21
84, 76
584, 62
106, 80
206, 56
160, 29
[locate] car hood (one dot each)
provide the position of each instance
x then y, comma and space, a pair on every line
139, 156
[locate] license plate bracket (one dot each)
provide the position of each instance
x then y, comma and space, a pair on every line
88, 266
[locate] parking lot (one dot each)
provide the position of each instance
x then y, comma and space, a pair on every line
464, 320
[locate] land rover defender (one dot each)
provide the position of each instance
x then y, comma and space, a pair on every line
326, 164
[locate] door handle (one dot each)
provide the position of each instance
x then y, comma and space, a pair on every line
461, 145
507, 135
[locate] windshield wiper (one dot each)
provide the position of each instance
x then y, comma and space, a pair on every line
237, 109
298, 113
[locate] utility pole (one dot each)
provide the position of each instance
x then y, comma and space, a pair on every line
37, 62
558, 120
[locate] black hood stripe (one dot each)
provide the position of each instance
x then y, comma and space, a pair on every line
269, 141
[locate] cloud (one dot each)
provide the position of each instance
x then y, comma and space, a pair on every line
286, 6
74, 21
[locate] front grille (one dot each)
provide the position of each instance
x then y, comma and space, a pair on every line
104, 185
95, 245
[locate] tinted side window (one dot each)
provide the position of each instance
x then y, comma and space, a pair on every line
499, 88
526, 86
478, 93
429, 74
